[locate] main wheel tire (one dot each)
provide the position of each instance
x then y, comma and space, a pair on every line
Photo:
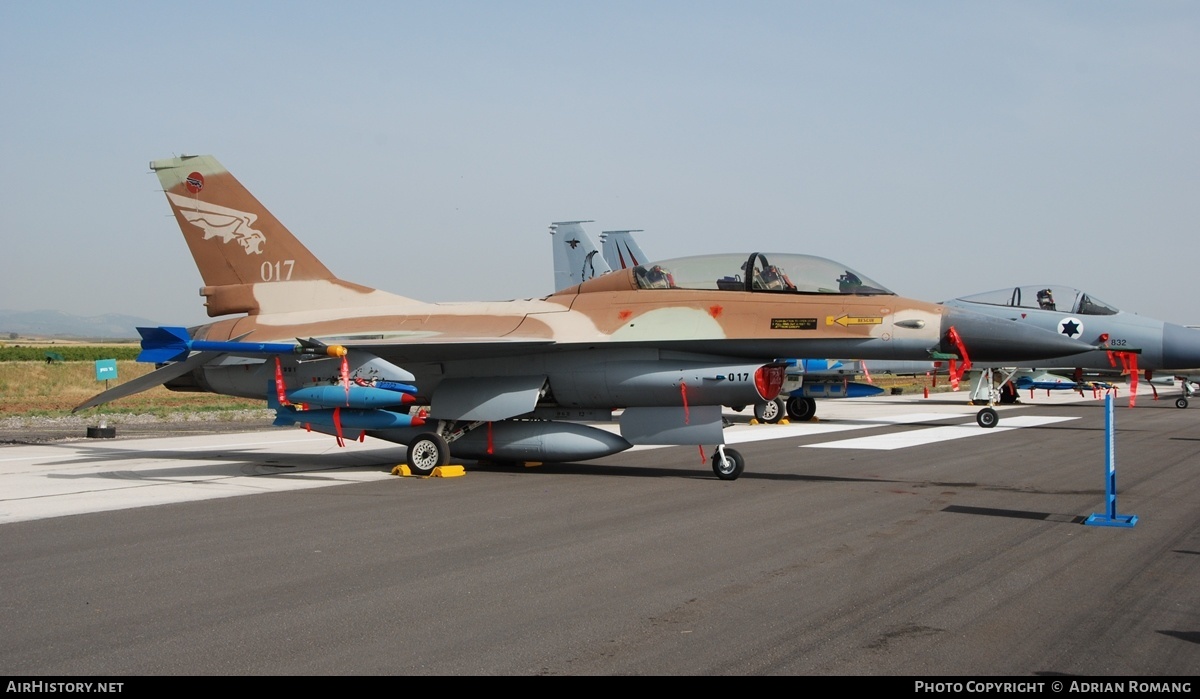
801, 409
1181, 402
988, 417
731, 467
426, 452
770, 412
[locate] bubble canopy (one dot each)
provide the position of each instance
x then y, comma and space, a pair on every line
758, 272
1047, 297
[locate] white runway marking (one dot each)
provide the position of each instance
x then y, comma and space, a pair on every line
912, 438
43, 481
757, 433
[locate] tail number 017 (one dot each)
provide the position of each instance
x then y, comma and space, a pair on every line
277, 271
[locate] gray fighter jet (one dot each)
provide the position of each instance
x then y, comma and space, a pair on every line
1131, 343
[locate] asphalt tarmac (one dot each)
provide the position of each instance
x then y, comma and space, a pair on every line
891, 537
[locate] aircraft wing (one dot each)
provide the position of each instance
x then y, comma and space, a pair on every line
144, 383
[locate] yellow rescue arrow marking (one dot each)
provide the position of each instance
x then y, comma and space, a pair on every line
846, 321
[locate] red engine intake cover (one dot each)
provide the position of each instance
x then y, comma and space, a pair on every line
769, 380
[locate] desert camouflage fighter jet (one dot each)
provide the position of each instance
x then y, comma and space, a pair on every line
656, 348
577, 260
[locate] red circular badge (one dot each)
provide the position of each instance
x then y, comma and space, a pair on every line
194, 182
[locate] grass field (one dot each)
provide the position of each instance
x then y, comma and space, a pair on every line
41, 389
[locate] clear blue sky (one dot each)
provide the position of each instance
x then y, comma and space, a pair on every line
942, 148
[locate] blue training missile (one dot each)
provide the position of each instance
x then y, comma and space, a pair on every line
346, 418
173, 344
356, 397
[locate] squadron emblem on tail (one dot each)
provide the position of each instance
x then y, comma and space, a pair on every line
221, 222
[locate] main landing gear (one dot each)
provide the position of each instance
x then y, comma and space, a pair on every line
770, 412
798, 408
801, 409
426, 452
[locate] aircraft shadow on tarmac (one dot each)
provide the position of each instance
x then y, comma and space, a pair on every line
1015, 514
698, 473
1189, 636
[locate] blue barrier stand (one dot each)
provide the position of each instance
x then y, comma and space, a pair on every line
1110, 518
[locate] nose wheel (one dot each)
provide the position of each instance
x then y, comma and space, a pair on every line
988, 417
727, 463
988, 391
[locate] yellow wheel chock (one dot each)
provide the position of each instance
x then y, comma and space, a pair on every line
451, 471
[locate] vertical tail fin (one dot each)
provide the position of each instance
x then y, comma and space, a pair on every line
576, 258
621, 251
233, 238
250, 262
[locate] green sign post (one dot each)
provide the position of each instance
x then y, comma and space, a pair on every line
106, 369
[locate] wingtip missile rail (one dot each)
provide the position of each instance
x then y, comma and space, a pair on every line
173, 344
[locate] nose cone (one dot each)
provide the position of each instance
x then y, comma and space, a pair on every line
1181, 347
998, 340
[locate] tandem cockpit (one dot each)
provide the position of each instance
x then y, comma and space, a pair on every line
757, 272
1062, 299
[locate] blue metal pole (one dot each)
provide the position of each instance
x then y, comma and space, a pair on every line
1110, 518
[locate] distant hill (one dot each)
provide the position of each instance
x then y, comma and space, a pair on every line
56, 324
